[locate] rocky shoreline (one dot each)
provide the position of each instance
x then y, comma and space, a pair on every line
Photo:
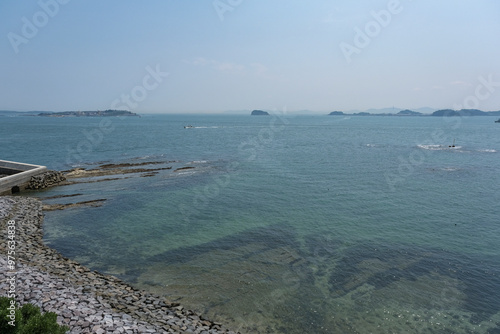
84, 300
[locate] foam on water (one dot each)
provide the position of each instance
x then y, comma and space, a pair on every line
434, 147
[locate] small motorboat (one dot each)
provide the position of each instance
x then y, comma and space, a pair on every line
188, 127
497, 121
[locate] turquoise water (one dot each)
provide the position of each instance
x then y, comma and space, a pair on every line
306, 224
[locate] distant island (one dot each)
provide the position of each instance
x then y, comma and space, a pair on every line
408, 112
405, 112
439, 113
464, 112
259, 113
98, 113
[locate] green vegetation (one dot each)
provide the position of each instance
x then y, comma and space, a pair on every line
27, 319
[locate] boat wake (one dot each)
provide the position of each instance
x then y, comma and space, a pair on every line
454, 148
198, 162
450, 169
439, 147
201, 127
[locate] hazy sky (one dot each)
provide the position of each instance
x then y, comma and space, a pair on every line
219, 55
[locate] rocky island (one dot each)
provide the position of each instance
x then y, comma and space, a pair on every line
259, 113
464, 112
98, 113
408, 112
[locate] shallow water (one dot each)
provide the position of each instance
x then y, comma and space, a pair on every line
290, 224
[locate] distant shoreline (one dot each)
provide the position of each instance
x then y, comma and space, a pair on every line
437, 113
369, 112
98, 113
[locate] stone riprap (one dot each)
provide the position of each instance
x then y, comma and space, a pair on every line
84, 300
45, 180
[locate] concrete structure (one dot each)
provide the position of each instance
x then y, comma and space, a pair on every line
16, 176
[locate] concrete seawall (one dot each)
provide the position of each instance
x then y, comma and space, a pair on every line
16, 176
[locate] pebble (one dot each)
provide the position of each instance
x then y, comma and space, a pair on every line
84, 300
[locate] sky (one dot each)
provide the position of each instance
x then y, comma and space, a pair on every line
213, 56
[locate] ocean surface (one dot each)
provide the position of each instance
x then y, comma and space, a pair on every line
305, 224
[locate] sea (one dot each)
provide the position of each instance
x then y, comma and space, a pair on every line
284, 223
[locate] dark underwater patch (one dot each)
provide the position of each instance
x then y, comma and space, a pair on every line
318, 245
270, 237
70, 246
381, 266
495, 330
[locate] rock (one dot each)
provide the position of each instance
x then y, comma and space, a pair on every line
182, 168
259, 113
45, 180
